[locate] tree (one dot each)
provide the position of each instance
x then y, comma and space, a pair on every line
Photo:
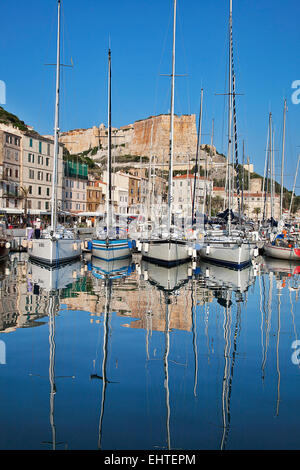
257, 210
25, 192
216, 204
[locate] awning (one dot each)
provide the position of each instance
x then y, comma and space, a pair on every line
8, 210
89, 214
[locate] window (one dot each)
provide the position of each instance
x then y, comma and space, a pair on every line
16, 156
30, 189
16, 203
30, 158
39, 190
40, 176
47, 160
30, 142
40, 160
47, 205
40, 147
48, 176
67, 194
48, 152
8, 154
31, 174
39, 205
48, 191
16, 174
29, 204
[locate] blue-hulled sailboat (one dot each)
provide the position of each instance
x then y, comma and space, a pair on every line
111, 241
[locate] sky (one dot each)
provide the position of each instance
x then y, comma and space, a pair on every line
266, 37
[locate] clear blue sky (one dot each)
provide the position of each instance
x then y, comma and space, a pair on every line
267, 61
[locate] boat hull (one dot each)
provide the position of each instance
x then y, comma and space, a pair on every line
52, 252
166, 252
228, 254
110, 250
54, 277
225, 277
281, 252
4, 252
167, 278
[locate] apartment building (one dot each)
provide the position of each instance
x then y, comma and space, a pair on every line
36, 173
183, 190
75, 180
95, 195
256, 204
10, 161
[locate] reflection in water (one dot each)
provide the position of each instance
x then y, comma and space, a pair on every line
155, 324
167, 280
108, 272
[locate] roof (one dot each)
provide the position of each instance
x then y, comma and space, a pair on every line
189, 176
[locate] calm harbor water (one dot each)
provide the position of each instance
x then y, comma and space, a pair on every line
134, 356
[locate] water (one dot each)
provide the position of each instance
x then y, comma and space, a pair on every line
148, 358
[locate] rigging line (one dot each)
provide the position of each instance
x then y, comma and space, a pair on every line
185, 59
161, 59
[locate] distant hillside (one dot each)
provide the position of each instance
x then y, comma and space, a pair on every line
13, 120
9, 118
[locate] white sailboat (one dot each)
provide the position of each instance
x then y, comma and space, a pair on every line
111, 241
166, 245
228, 249
57, 244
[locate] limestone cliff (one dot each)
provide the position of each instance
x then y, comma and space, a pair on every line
145, 137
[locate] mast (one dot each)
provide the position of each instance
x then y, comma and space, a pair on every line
109, 194
210, 166
171, 149
282, 159
294, 186
104, 361
166, 369
243, 176
197, 158
56, 128
229, 118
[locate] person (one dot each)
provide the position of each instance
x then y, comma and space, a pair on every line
37, 228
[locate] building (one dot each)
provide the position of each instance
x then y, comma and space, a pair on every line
75, 180
10, 163
95, 196
26, 167
256, 203
183, 190
36, 174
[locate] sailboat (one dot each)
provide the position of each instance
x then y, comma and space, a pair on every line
111, 240
229, 249
166, 244
57, 244
283, 243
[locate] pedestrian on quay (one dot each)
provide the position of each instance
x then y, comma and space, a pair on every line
37, 228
